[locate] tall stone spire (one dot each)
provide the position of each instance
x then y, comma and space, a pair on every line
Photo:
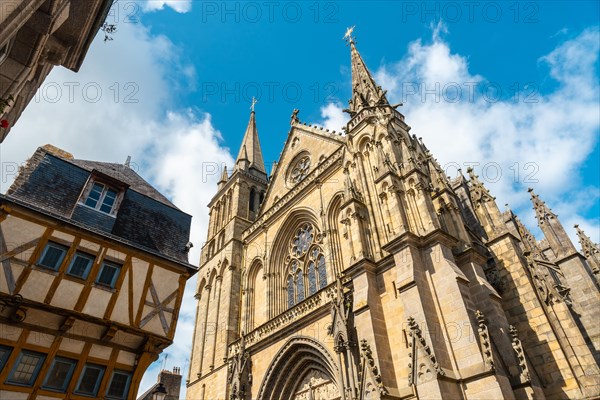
591, 251
551, 227
485, 205
365, 92
250, 156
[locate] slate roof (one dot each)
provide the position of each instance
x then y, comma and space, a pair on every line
52, 181
126, 175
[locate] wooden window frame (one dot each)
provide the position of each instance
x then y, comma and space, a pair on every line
102, 369
105, 263
127, 385
67, 380
91, 257
36, 371
43, 254
4, 358
107, 182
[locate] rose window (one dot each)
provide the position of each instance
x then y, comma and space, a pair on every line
300, 170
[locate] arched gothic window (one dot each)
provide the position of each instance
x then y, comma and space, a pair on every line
306, 265
251, 200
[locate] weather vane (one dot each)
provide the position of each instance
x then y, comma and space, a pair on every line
348, 36
254, 101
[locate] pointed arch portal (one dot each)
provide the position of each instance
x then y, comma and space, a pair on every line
302, 370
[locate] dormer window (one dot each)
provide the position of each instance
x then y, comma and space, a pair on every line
101, 198
103, 193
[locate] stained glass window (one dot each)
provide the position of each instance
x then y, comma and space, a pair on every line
307, 271
312, 279
300, 170
322, 272
290, 291
302, 240
300, 286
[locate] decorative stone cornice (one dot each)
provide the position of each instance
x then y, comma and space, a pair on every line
285, 319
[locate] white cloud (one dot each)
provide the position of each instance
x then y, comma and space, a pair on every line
181, 6
333, 117
533, 139
176, 150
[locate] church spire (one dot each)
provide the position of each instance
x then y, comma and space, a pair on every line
591, 251
485, 205
365, 92
224, 177
551, 227
250, 155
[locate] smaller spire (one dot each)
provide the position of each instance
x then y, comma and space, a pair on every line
542, 211
551, 227
585, 241
250, 156
591, 251
224, 176
479, 193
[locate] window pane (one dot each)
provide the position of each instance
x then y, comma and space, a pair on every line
4, 353
94, 195
90, 380
80, 265
60, 373
300, 286
26, 368
109, 201
52, 256
108, 275
118, 385
312, 278
290, 291
322, 272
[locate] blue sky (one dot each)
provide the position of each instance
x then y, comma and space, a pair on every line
173, 90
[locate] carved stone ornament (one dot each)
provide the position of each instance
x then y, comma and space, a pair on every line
420, 372
239, 377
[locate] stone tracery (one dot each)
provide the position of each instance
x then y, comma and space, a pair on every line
306, 271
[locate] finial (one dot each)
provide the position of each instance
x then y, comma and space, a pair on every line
294, 119
128, 161
254, 101
348, 36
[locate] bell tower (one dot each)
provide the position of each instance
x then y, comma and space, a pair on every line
234, 207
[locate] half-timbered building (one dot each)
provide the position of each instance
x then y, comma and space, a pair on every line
94, 264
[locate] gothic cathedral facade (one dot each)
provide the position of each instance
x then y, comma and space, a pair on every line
359, 270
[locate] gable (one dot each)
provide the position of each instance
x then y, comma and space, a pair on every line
305, 148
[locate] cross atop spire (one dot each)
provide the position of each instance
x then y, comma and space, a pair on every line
365, 92
348, 36
254, 101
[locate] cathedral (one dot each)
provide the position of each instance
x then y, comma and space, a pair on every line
358, 270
